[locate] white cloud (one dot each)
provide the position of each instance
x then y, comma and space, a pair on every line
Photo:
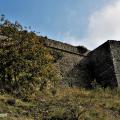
104, 25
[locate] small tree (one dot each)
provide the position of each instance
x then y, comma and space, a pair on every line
25, 64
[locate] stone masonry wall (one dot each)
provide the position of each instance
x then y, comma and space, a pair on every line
101, 65
72, 64
115, 51
74, 70
80, 50
79, 67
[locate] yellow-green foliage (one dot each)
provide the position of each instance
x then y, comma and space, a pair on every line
25, 64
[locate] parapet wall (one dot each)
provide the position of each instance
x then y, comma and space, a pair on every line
64, 46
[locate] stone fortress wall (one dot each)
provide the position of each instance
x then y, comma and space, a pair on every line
101, 65
79, 66
61, 46
72, 65
105, 64
64, 46
115, 53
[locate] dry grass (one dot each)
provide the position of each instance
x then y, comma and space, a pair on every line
68, 103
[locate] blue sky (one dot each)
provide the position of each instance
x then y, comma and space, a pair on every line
71, 21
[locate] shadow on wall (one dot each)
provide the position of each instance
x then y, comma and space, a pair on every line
81, 75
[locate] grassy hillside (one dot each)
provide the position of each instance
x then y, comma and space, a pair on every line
67, 104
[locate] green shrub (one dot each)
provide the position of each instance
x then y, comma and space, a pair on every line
25, 64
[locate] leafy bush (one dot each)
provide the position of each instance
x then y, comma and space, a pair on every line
25, 64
